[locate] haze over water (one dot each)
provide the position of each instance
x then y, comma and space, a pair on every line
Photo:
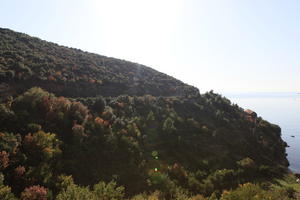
282, 109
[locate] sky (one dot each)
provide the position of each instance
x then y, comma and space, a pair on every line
220, 45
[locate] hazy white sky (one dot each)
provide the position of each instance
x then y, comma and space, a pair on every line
224, 45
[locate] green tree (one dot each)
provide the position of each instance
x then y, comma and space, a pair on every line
108, 191
251, 191
70, 191
42, 150
168, 125
5, 191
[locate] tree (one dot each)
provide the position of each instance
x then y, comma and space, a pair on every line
41, 150
35, 192
249, 191
108, 191
5, 191
4, 160
41, 146
99, 105
71, 191
168, 125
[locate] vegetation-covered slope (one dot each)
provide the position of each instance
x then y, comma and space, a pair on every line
147, 131
72, 72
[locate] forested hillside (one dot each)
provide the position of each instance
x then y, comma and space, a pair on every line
75, 125
26, 61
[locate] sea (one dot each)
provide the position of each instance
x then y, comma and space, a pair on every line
281, 108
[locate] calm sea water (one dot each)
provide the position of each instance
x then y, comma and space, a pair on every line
282, 109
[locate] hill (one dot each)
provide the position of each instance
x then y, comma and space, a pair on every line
74, 73
69, 119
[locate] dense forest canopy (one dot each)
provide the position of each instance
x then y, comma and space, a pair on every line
76, 125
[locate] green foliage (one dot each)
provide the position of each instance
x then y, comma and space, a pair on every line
161, 181
30, 100
41, 149
250, 191
123, 142
41, 146
101, 190
5, 191
156, 195
71, 72
99, 105
9, 142
6, 194
108, 191
220, 180
120, 115
7, 117
32, 127
74, 192
70, 191
150, 116
168, 125
246, 163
